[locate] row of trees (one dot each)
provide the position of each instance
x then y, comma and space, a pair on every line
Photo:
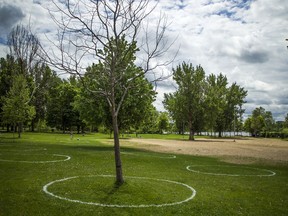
33, 94
262, 123
23, 80
65, 104
204, 103
43, 100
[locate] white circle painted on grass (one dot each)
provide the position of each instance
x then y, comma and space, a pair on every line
148, 155
65, 158
193, 193
269, 172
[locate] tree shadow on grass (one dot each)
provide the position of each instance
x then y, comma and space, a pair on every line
115, 188
92, 148
111, 194
102, 149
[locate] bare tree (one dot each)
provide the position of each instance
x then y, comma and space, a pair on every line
108, 32
26, 49
24, 46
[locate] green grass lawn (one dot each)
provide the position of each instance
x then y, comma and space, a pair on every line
154, 182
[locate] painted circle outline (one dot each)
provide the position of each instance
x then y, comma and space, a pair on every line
52, 161
225, 174
45, 189
148, 155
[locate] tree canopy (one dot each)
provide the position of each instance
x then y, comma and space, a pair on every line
187, 101
204, 103
16, 108
260, 121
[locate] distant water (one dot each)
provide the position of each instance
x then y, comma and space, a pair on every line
226, 134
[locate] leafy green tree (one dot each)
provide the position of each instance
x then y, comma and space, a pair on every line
279, 126
135, 109
92, 111
25, 49
223, 104
16, 108
53, 116
171, 102
257, 124
286, 121
61, 113
189, 97
108, 31
150, 123
230, 106
43, 78
201, 103
163, 122
235, 99
215, 102
8, 69
261, 120
269, 122
137, 105
248, 125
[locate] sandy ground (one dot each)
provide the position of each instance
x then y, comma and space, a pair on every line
244, 151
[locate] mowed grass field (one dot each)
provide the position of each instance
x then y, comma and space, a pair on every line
51, 174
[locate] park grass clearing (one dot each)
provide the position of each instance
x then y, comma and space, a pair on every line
86, 177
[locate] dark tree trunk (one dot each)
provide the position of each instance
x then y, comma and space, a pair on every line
219, 134
118, 163
20, 126
191, 131
33, 125
191, 134
78, 129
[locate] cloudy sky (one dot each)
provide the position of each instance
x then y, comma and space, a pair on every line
243, 39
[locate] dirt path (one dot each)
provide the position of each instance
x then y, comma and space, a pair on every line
241, 151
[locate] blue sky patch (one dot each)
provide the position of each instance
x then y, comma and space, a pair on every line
3, 41
226, 13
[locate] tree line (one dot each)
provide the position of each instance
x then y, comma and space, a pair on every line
204, 103
42, 100
261, 123
34, 96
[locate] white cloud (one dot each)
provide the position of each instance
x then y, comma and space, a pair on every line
243, 39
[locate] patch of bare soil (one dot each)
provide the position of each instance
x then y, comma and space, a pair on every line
243, 151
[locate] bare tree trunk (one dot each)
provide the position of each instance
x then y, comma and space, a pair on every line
118, 162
